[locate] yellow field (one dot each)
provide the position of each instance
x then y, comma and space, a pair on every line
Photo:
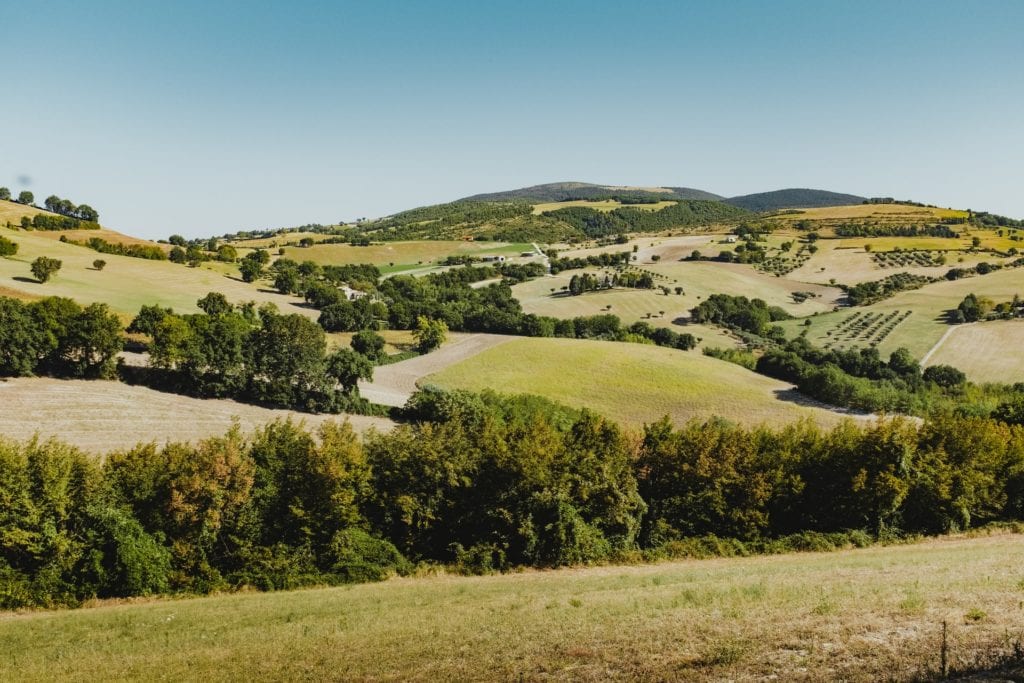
986, 352
12, 212
846, 261
126, 283
102, 416
631, 383
882, 212
871, 614
602, 205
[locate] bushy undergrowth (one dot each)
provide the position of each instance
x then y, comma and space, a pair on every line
480, 483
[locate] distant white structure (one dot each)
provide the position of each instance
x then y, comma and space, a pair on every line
731, 238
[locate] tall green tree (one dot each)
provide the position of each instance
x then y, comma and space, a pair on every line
44, 267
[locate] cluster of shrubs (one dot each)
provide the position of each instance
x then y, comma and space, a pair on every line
738, 312
145, 251
58, 337
241, 352
983, 268
865, 230
900, 258
479, 483
860, 379
974, 308
865, 293
44, 221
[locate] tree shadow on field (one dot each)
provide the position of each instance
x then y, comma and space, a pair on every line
795, 397
30, 280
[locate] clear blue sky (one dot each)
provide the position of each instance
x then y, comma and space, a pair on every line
208, 117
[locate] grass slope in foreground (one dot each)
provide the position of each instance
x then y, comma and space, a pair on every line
859, 615
631, 383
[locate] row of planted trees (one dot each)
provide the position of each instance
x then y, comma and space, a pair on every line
479, 483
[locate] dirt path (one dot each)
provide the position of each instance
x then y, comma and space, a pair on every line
100, 416
942, 340
393, 384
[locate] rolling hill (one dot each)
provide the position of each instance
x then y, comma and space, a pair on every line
792, 198
560, 192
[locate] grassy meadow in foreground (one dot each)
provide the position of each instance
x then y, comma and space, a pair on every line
631, 383
860, 615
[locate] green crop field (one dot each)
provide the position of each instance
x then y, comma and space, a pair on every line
125, 283
855, 615
401, 253
632, 383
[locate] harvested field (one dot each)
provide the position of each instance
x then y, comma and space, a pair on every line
881, 212
99, 416
985, 352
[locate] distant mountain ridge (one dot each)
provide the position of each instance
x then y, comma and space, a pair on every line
793, 198
566, 191
789, 198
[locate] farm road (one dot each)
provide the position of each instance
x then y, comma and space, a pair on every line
393, 384
942, 340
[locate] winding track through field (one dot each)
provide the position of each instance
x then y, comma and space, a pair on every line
392, 385
942, 340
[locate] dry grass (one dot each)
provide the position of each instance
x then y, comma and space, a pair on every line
601, 205
698, 280
631, 383
846, 262
126, 283
881, 212
12, 212
857, 615
986, 352
101, 416
400, 253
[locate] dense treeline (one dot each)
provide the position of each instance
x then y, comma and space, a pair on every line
44, 221
739, 312
239, 351
860, 379
993, 220
863, 230
865, 293
56, 336
65, 207
480, 483
594, 223
455, 213
146, 251
605, 260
